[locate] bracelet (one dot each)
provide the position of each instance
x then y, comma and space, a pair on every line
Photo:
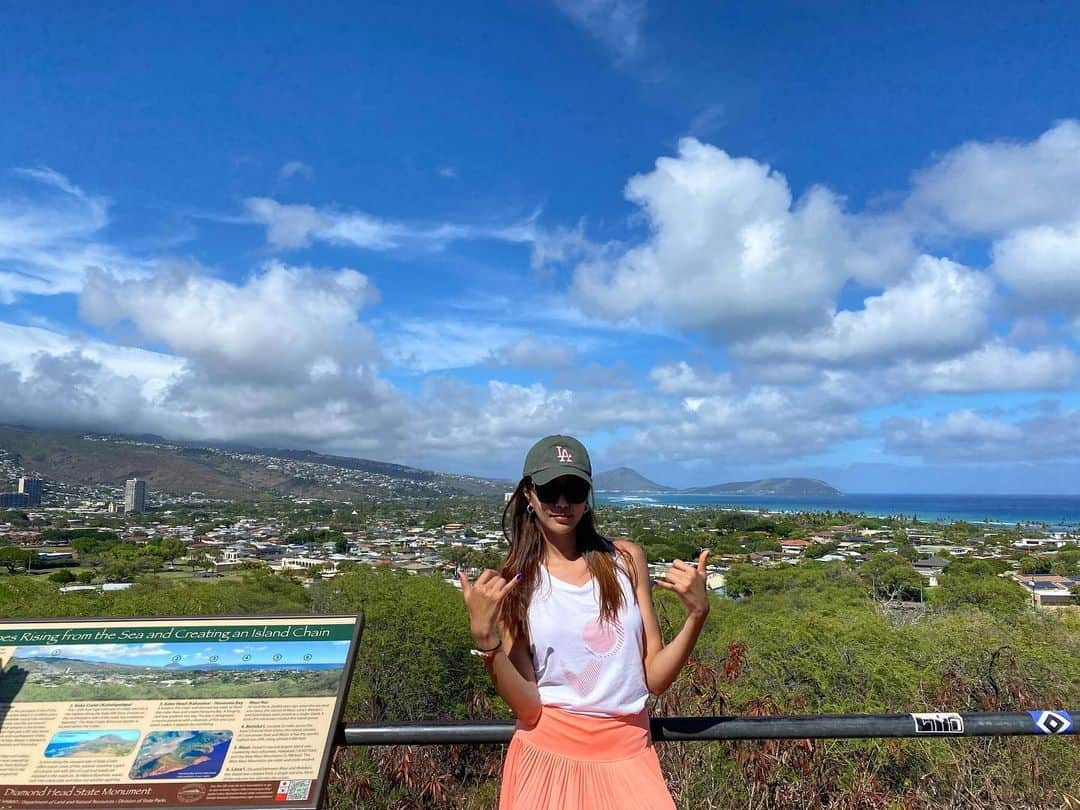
489, 653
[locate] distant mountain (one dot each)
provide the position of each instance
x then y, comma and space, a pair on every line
623, 479
769, 486
238, 471
223, 471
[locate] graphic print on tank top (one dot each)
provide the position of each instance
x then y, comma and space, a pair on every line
602, 640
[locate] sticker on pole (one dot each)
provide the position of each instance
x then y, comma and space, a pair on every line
938, 723
1052, 722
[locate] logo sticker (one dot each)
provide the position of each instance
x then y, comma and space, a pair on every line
562, 455
1052, 722
938, 723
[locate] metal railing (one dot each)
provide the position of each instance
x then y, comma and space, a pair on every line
700, 729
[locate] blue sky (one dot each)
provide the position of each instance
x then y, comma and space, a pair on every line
716, 242
188, 654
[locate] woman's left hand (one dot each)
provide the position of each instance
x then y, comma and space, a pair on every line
688, 582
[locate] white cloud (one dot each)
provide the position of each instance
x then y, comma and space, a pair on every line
965, 435
49, 231
710, 119
992, 187
616, 23
282, 357
763, 423
682, 380
995, 367
294, 226
296, 168
74, 391
278, 325
1042, 264
438, 344
940, 311
495, 423
731, 252
353, 411
558, 245
291, 226
21, 347
533, 352
49, 379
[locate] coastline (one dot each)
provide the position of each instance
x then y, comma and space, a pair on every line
1061, 512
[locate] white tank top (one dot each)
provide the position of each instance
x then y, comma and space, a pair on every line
581, 664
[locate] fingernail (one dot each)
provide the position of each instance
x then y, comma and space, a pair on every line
518, 575
653, 581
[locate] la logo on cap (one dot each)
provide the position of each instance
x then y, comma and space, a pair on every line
563, 455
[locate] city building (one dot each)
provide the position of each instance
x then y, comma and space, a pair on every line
134, 495
31, 487
1048, 590
13, 500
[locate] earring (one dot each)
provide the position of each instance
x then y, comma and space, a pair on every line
530, 511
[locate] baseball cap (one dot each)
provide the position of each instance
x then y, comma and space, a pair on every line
553, 456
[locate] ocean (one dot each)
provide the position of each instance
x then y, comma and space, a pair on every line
1055, 511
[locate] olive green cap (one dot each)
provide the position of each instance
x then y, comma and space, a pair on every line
553, 456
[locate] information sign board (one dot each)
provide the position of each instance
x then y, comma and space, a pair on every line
223, 712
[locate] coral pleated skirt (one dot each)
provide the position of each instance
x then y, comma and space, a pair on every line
575, 762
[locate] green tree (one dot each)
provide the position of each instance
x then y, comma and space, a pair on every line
15, 518
414, 661
976, 568
94, 545
462, 557
120, 571
68, 536
1066, 562
166, 549
741, 580
762, 542
906, 549
818, 550
16, 559
311, 536
1035, 565
994, 594
891, 576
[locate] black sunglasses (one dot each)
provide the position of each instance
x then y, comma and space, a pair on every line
575, 489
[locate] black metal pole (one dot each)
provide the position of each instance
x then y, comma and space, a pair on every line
690, 729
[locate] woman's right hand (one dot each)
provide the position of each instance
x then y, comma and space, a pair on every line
483, 598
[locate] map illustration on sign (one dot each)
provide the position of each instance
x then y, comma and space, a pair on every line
181, 755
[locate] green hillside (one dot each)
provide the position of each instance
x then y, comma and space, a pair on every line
222, 472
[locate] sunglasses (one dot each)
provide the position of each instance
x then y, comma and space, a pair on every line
574, 489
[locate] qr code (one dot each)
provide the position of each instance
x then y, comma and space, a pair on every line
299, 790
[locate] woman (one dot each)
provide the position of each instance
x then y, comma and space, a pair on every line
570, 638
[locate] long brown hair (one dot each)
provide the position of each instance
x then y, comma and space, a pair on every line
527, 552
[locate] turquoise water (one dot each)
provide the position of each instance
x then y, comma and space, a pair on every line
1058, 511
